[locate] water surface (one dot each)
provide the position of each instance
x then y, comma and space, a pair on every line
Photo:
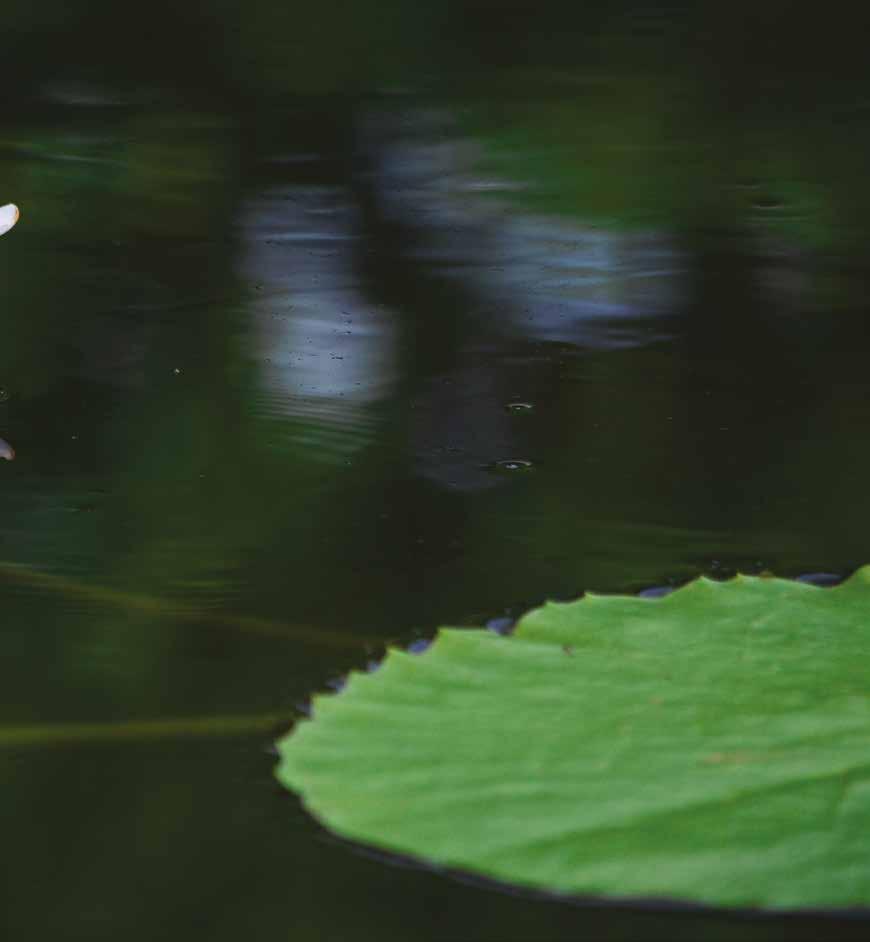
261, 400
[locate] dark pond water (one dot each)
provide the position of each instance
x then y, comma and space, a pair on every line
286, 388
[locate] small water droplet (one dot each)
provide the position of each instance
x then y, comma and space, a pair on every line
511, 466
519, 408
177, 371
337, 683
418, 646
4, 394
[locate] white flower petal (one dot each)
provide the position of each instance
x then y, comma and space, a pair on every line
8, 217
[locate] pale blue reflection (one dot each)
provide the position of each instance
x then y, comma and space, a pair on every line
547, 278
326, 356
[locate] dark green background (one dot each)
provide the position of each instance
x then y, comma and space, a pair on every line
679, 285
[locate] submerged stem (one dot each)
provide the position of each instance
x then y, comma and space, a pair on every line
192, 727
165, 608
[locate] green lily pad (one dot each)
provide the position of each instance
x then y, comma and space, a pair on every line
712, 745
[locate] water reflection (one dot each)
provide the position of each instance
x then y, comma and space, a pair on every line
326, 355
536, 278
489, 295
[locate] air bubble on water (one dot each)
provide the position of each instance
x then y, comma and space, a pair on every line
519, 408
511, 466
767, 204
